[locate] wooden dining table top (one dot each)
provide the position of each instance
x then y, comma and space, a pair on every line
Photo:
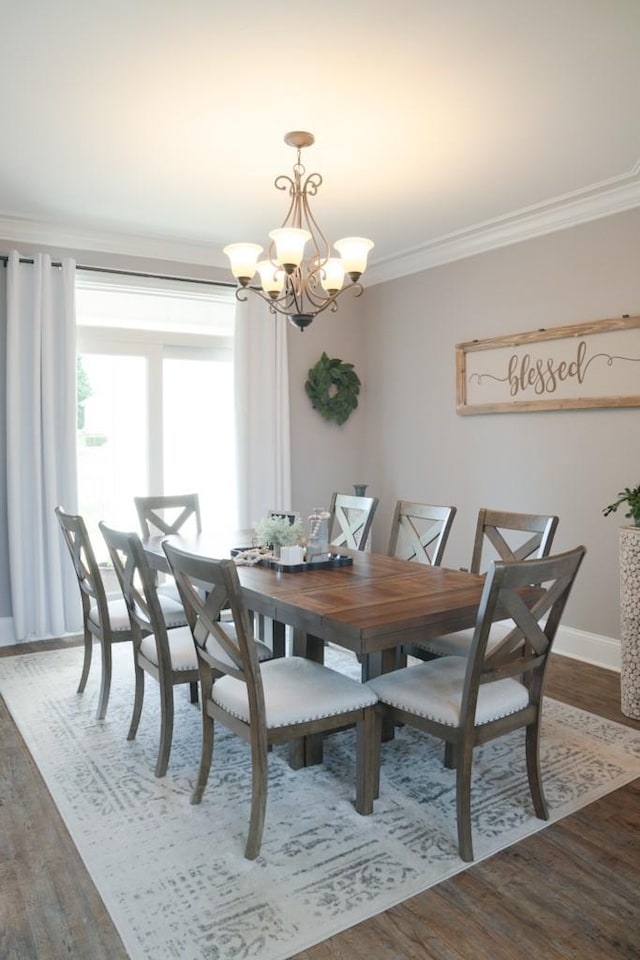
376, 604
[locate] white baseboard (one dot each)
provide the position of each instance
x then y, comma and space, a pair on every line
7, 633
589, 647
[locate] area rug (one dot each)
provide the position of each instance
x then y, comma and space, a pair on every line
173, 876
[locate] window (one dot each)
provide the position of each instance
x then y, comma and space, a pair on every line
155, 410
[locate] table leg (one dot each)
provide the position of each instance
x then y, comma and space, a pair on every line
378, 663
278, 638
306, 751
308, 646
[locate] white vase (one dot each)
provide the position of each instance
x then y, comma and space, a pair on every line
630, 621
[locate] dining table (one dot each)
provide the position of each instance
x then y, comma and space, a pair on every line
374, 605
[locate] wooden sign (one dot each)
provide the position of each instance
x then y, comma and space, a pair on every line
587, 365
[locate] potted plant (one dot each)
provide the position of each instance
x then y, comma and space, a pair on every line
276, 532
631, 497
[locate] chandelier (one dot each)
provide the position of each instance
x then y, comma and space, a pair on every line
296, 286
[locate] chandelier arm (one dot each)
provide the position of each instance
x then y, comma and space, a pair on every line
316, 232
312, 184
318, 299
330, 300
284, 182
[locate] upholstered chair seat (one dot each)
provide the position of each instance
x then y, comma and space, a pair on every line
295, 691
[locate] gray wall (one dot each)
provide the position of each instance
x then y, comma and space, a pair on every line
570, 463
327, 456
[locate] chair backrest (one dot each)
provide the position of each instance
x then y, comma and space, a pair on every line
507, 533
206, 587
533, 594
85, 564
166, 515
352, 518
138, 585
419, 531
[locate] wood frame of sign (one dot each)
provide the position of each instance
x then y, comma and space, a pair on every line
581, 366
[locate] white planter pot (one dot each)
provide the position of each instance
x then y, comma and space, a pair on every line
630, 621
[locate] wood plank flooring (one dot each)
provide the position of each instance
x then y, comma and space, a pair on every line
571, 891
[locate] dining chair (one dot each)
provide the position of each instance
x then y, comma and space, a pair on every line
419, 531
162, 649
164, 515
467, 701
104, 617
350, 520
264, 703
499, 536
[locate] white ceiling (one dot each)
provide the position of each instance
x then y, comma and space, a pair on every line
437, 122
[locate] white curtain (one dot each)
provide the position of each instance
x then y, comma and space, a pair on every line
41, 432
263, 451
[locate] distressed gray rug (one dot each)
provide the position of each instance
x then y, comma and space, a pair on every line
173, 876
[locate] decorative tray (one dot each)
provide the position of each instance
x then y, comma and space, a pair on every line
250, 556
333, 560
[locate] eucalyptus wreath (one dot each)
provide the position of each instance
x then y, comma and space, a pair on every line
333, 388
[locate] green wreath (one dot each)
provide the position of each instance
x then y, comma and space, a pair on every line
333, 388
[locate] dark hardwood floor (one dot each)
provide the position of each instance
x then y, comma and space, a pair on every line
570, 891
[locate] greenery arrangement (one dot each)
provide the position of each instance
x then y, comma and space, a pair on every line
631, 497
278, 532
333, 388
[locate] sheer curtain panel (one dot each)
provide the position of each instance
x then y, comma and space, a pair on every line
41, 437
262, 411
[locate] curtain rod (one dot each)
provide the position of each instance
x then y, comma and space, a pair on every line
130, 273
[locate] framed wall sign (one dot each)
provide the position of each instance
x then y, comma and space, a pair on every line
593, 364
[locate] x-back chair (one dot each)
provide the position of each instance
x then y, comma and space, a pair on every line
264, 703
162, 643
104, 617
350, 520
164, 515
490, 692
419, 531
500, 535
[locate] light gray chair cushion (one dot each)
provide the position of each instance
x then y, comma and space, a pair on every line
458, 644
434, 690
295, 690
173, 613
181, 646
118, 615
215, 649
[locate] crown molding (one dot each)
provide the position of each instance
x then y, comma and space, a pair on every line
602, 199
20, 230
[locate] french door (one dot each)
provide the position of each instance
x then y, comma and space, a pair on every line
154, 417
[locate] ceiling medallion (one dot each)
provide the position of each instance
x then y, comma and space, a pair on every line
296, 286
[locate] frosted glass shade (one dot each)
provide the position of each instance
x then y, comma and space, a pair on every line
289, 243
353, 251
331, 274
243, 258
271, 278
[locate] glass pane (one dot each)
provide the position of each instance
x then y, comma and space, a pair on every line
199, 446
112, 441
